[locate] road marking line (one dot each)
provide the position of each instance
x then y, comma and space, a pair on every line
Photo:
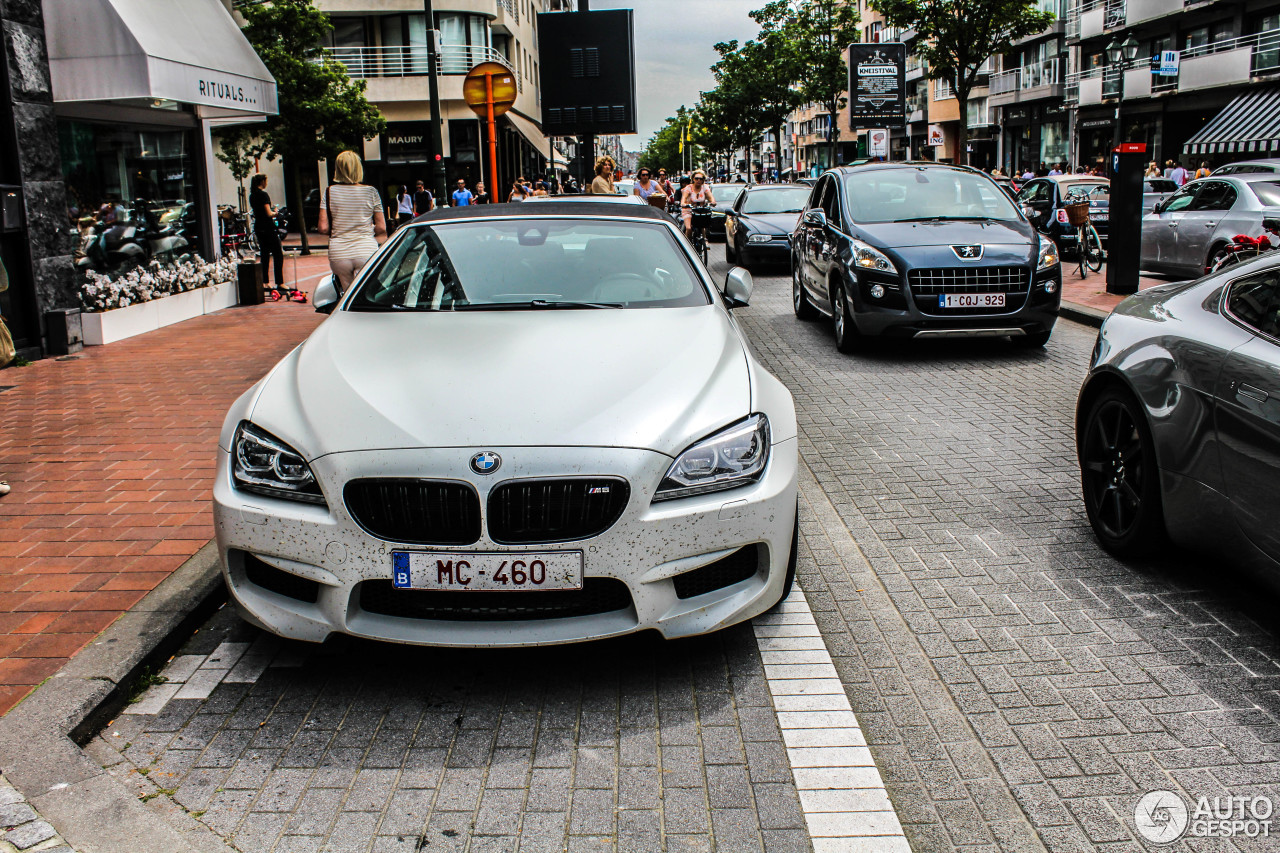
845, 803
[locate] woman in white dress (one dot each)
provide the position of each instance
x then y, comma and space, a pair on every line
352, 217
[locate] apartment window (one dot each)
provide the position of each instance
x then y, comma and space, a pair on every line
942, 90
347, 32
1202, 36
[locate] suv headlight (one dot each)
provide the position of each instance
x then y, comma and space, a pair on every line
1048, 254
867, 258
265, 465
735, 456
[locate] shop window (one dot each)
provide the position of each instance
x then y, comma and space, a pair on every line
130, 194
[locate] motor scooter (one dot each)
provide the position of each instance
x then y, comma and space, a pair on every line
1243, 247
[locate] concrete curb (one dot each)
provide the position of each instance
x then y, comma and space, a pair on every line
40, 739
1083, 314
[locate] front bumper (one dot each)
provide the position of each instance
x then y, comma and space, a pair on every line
898, 312
645, 549
775, 251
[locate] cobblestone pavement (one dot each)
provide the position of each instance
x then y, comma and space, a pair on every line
22, 829
1019, 689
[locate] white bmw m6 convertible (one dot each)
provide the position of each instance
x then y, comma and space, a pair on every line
520, 426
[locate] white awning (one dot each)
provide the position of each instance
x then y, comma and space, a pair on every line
529, 131
190, 51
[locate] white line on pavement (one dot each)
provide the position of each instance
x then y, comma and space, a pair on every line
842, 794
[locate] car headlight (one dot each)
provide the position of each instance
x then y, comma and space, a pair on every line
265, 465
735, 456
759, 238
867, 258
1048, 254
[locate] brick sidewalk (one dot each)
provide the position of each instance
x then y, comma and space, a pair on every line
110, 455
1091, 292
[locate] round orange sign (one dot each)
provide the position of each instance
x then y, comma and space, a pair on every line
475, 92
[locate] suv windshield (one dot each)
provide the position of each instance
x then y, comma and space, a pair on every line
895, 195
531, 264
790, 200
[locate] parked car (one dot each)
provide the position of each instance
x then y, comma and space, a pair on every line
758, 227
1187, 232
726, 195
1043, 201
924, 250
521, 425
1245, 167
1155, 190
1177, 426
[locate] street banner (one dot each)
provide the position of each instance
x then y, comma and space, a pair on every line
877, 85
588, 73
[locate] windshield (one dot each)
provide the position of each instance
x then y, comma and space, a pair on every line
896, 195
1268, 192
531, 264
790, 200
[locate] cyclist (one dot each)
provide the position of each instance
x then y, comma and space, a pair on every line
697, 194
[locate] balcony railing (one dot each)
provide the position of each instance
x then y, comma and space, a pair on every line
1006, 81
511, 8
368, 62
1041, 73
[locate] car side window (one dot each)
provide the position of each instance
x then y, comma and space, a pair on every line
1255, 302
1214, 195
1032, 192
815, 197
1180, 200
831, 201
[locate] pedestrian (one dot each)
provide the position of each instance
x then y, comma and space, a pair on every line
423, 201
352, 217
517, 191
664, 184
462, 196
264, 229
602, 184
1168, 168
1178, 175
404, 207
540, 189
481, 197
1027, 174
1203, 171
1153, 170
1055, 170
571, 186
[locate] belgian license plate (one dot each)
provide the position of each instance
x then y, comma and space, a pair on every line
1099, 217
505, 570
971, 300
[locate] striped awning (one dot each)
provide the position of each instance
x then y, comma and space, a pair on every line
1250, 124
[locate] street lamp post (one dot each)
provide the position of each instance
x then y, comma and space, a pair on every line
1118, 54
433, 93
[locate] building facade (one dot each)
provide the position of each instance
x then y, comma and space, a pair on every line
1224, 53
384, 43
1026, 96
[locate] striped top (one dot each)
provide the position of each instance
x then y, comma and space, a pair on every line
351, 209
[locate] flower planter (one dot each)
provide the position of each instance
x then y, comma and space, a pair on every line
107, 327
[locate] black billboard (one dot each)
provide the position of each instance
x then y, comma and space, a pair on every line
877, 85
588, 72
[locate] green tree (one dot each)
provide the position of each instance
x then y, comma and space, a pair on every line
817, 34
663, 149
957, 36
754, 83
239, 148
322, 110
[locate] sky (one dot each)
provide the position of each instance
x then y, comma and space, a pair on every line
674, 52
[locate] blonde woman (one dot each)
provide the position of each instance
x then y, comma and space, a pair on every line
697, 194
352, 217
602, 184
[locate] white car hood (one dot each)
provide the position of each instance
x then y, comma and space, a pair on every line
647, 378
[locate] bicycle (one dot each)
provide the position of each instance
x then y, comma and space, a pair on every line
1088, 243
699, 222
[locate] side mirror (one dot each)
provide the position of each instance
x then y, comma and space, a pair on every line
815, 217
738, 285
326, 296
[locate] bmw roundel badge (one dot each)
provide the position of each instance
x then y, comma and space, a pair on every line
486, 462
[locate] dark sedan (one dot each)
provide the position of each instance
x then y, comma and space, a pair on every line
1043, 200
758, 227
1178, 422
923, 250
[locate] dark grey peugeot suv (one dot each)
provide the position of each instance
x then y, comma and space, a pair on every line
922, 250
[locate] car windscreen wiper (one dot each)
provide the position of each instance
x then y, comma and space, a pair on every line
546, 303
950, 219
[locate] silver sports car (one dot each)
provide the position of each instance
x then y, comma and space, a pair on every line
522, 425
1178, 422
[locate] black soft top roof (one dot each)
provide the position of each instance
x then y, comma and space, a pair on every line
517, 210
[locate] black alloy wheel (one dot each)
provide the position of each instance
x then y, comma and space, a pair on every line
1119, 476
799, 298
847, 338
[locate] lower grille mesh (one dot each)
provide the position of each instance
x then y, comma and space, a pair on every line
598, 595
280, 582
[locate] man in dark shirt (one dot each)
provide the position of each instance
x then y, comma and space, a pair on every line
422, 200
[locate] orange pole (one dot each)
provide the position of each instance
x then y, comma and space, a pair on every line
494, 189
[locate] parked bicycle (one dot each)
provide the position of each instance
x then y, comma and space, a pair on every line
1243, 247
235, 236
1088, 243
